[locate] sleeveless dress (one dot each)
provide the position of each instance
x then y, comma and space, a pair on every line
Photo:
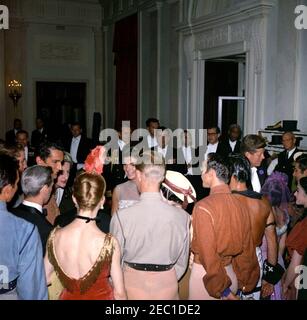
128, 194
95, 285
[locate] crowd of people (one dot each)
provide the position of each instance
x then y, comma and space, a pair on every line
83, 222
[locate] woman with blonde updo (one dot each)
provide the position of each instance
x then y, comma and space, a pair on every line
82, 256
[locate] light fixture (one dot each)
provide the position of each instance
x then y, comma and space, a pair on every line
15, 91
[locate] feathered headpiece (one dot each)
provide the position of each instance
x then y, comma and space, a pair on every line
95, 160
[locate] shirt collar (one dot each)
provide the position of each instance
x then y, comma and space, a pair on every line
77, 138
2, 205
121, 144
33, 205
150, 195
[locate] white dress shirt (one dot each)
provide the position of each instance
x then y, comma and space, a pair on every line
255, 180
232, 145
33, 205
162, 151
211, 148
59, 195
121, 144
152, 141
187, 153
291, 152
26, 153
74, 148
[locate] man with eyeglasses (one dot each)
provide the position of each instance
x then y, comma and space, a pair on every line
214, 146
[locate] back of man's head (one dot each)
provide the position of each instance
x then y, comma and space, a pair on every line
34, 179
8, 171
152, 165
239, 167
218, 164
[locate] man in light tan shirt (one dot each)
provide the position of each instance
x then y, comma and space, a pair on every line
154, 237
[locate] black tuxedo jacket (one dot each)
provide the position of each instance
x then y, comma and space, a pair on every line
38, 137
66, 203
84, 148
38, 219
286, 165
225, 148
10, 137
113, 171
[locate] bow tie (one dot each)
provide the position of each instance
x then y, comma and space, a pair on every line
45, 212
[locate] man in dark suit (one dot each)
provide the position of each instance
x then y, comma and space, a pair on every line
285, 162
252, 147
192, 159
22, 138
117, 148
214, 145
232, 144
79, 146
10, 136
39, 135
166, 148
36, 183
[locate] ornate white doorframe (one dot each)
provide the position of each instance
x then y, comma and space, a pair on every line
229, 33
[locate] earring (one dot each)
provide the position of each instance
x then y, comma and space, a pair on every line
101, 207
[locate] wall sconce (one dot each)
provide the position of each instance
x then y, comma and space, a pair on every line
15, 91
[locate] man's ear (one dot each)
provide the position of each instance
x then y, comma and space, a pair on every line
6, 192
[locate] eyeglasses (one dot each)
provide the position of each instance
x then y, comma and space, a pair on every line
211, 134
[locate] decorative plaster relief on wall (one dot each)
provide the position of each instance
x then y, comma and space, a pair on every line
60, 51
51, 51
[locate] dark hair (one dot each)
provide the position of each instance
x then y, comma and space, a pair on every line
239, 167
251, 143
218, 164
17, 120
149, 120
44, 149
303, 183
23, 132
217, 129
76, 123
8, 170
302, 162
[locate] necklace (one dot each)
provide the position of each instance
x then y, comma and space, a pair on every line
88, 219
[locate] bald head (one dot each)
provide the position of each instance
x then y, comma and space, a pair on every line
288, 140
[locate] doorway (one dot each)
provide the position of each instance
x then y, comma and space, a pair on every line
224, 77
59, 104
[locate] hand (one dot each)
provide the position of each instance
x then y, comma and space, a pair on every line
266, 289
